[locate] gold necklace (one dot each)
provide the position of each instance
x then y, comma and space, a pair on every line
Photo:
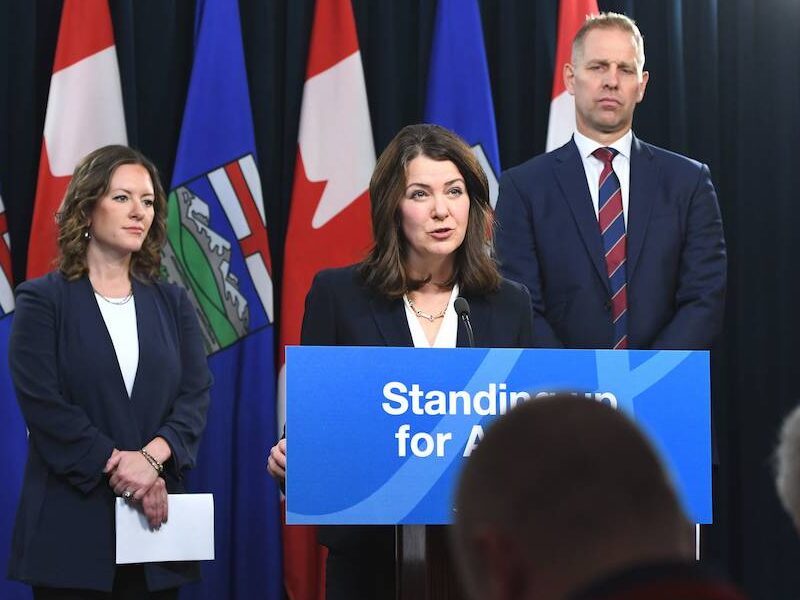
115, 302
422, 314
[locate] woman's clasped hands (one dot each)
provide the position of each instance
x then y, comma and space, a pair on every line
132, 477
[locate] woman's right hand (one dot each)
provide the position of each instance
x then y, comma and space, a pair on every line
155, 504
276, 464
129, 471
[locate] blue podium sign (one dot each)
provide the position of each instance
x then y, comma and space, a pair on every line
378, 435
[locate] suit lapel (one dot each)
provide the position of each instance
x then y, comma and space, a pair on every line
145, 321
480, 317
390, 318
572, 180
644, 190
97, 322
105, 360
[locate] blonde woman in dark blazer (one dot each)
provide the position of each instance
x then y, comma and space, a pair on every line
111, 376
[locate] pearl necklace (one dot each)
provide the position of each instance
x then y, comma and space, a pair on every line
115, 302
422, 314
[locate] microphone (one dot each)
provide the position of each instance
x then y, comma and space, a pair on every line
462, 310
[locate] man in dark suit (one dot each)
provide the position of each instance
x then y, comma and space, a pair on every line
619, 242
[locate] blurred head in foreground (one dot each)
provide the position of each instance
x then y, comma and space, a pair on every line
563, 491
787, 466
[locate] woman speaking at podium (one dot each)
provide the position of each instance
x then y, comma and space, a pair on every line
432, 227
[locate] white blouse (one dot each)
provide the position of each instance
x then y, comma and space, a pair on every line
120, 320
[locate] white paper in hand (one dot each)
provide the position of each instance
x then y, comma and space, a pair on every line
188, 533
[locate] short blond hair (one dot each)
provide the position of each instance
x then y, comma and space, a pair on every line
609, 20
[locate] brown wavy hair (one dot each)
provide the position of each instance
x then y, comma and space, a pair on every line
384, 268
89, 183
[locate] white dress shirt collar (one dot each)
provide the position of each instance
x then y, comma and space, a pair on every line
587, 145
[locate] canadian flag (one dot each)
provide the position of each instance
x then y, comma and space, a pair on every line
329, 220
561, 124
84, 112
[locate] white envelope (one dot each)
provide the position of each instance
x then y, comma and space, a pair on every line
188, 533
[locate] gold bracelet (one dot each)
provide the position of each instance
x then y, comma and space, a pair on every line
153, 462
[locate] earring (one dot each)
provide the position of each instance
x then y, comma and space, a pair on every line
86, 234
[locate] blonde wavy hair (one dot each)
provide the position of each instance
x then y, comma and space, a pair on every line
89, 183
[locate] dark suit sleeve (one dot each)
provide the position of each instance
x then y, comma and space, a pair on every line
187, 419
62, 433
319, 322
700, 294
516, 249
515, 314
526, 335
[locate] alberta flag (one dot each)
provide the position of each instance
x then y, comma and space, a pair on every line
13, 440
218, 250
459, 90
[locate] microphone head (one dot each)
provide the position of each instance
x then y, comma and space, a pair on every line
462, 306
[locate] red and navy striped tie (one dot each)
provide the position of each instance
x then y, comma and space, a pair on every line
612, 228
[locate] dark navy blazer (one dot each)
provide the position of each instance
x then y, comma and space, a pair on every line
548, 239
341, 311
73, 398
